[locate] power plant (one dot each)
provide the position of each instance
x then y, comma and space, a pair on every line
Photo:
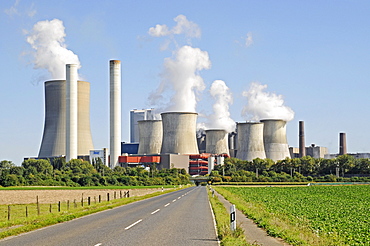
53, 142
217, 141
67, 131
151, 134
179, 133
250, 141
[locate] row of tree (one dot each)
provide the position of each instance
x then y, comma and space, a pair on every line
81, 173
342, 168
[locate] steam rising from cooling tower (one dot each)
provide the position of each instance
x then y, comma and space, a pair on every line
220, 119
179, 133
50, 50
217, 141
181, 76
150, 134
265, 105
250, 141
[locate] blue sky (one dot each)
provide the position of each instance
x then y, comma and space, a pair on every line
315, 54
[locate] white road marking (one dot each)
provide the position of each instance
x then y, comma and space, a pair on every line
133, 224
174, 200
155, 211
98, 244
167, 204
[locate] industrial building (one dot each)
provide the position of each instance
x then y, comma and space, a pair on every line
136, 116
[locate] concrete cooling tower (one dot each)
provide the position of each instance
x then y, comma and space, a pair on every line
250, 141
275, 140
150, 136
217, 141
179, 133
54, 136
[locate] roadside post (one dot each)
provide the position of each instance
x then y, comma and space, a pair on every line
232, 218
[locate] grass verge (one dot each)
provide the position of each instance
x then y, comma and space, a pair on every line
226, 236
17, 226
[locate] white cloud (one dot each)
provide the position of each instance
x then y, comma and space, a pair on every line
249, 39
183, 26
13, 10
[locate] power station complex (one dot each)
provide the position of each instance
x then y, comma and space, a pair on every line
170, 142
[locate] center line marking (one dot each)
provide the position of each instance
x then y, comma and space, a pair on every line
133, 224
167, 204
155, 211
174, 200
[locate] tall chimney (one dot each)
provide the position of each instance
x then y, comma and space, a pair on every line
115, 111
302, 147
72, 112
342, 144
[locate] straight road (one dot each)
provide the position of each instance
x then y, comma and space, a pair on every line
182, 217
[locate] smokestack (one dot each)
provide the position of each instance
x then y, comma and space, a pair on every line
179, 133
54, 136
302, 147
150, 136
250, 141
72, 112
217, 141
275, 140
115, 111
342, 144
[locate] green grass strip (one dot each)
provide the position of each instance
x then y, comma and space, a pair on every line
226, 236
15, 227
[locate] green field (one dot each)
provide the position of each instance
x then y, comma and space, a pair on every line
312, 215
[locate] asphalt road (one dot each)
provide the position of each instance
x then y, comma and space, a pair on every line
182, 217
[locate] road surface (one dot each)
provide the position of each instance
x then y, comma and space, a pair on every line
182, 217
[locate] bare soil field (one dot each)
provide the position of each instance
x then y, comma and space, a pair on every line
54, 196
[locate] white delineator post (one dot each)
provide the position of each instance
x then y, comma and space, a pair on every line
115, 112
232, 218
71, 112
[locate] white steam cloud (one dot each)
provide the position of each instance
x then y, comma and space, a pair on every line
181, 77
220, 119
265, 105
50, 51
183, 26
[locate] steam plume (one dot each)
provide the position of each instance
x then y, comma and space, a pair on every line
265, 105
183, 26
181, 76
220, 119
50, 51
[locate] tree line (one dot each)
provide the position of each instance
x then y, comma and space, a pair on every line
81, 173
305, 169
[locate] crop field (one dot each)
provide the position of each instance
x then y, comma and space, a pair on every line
311, 215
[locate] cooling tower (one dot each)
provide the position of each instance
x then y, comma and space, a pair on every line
275, 140
250, 141
71, 112
302, 145
217, 141
179, 133
115, 111
150, 136
54, 136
